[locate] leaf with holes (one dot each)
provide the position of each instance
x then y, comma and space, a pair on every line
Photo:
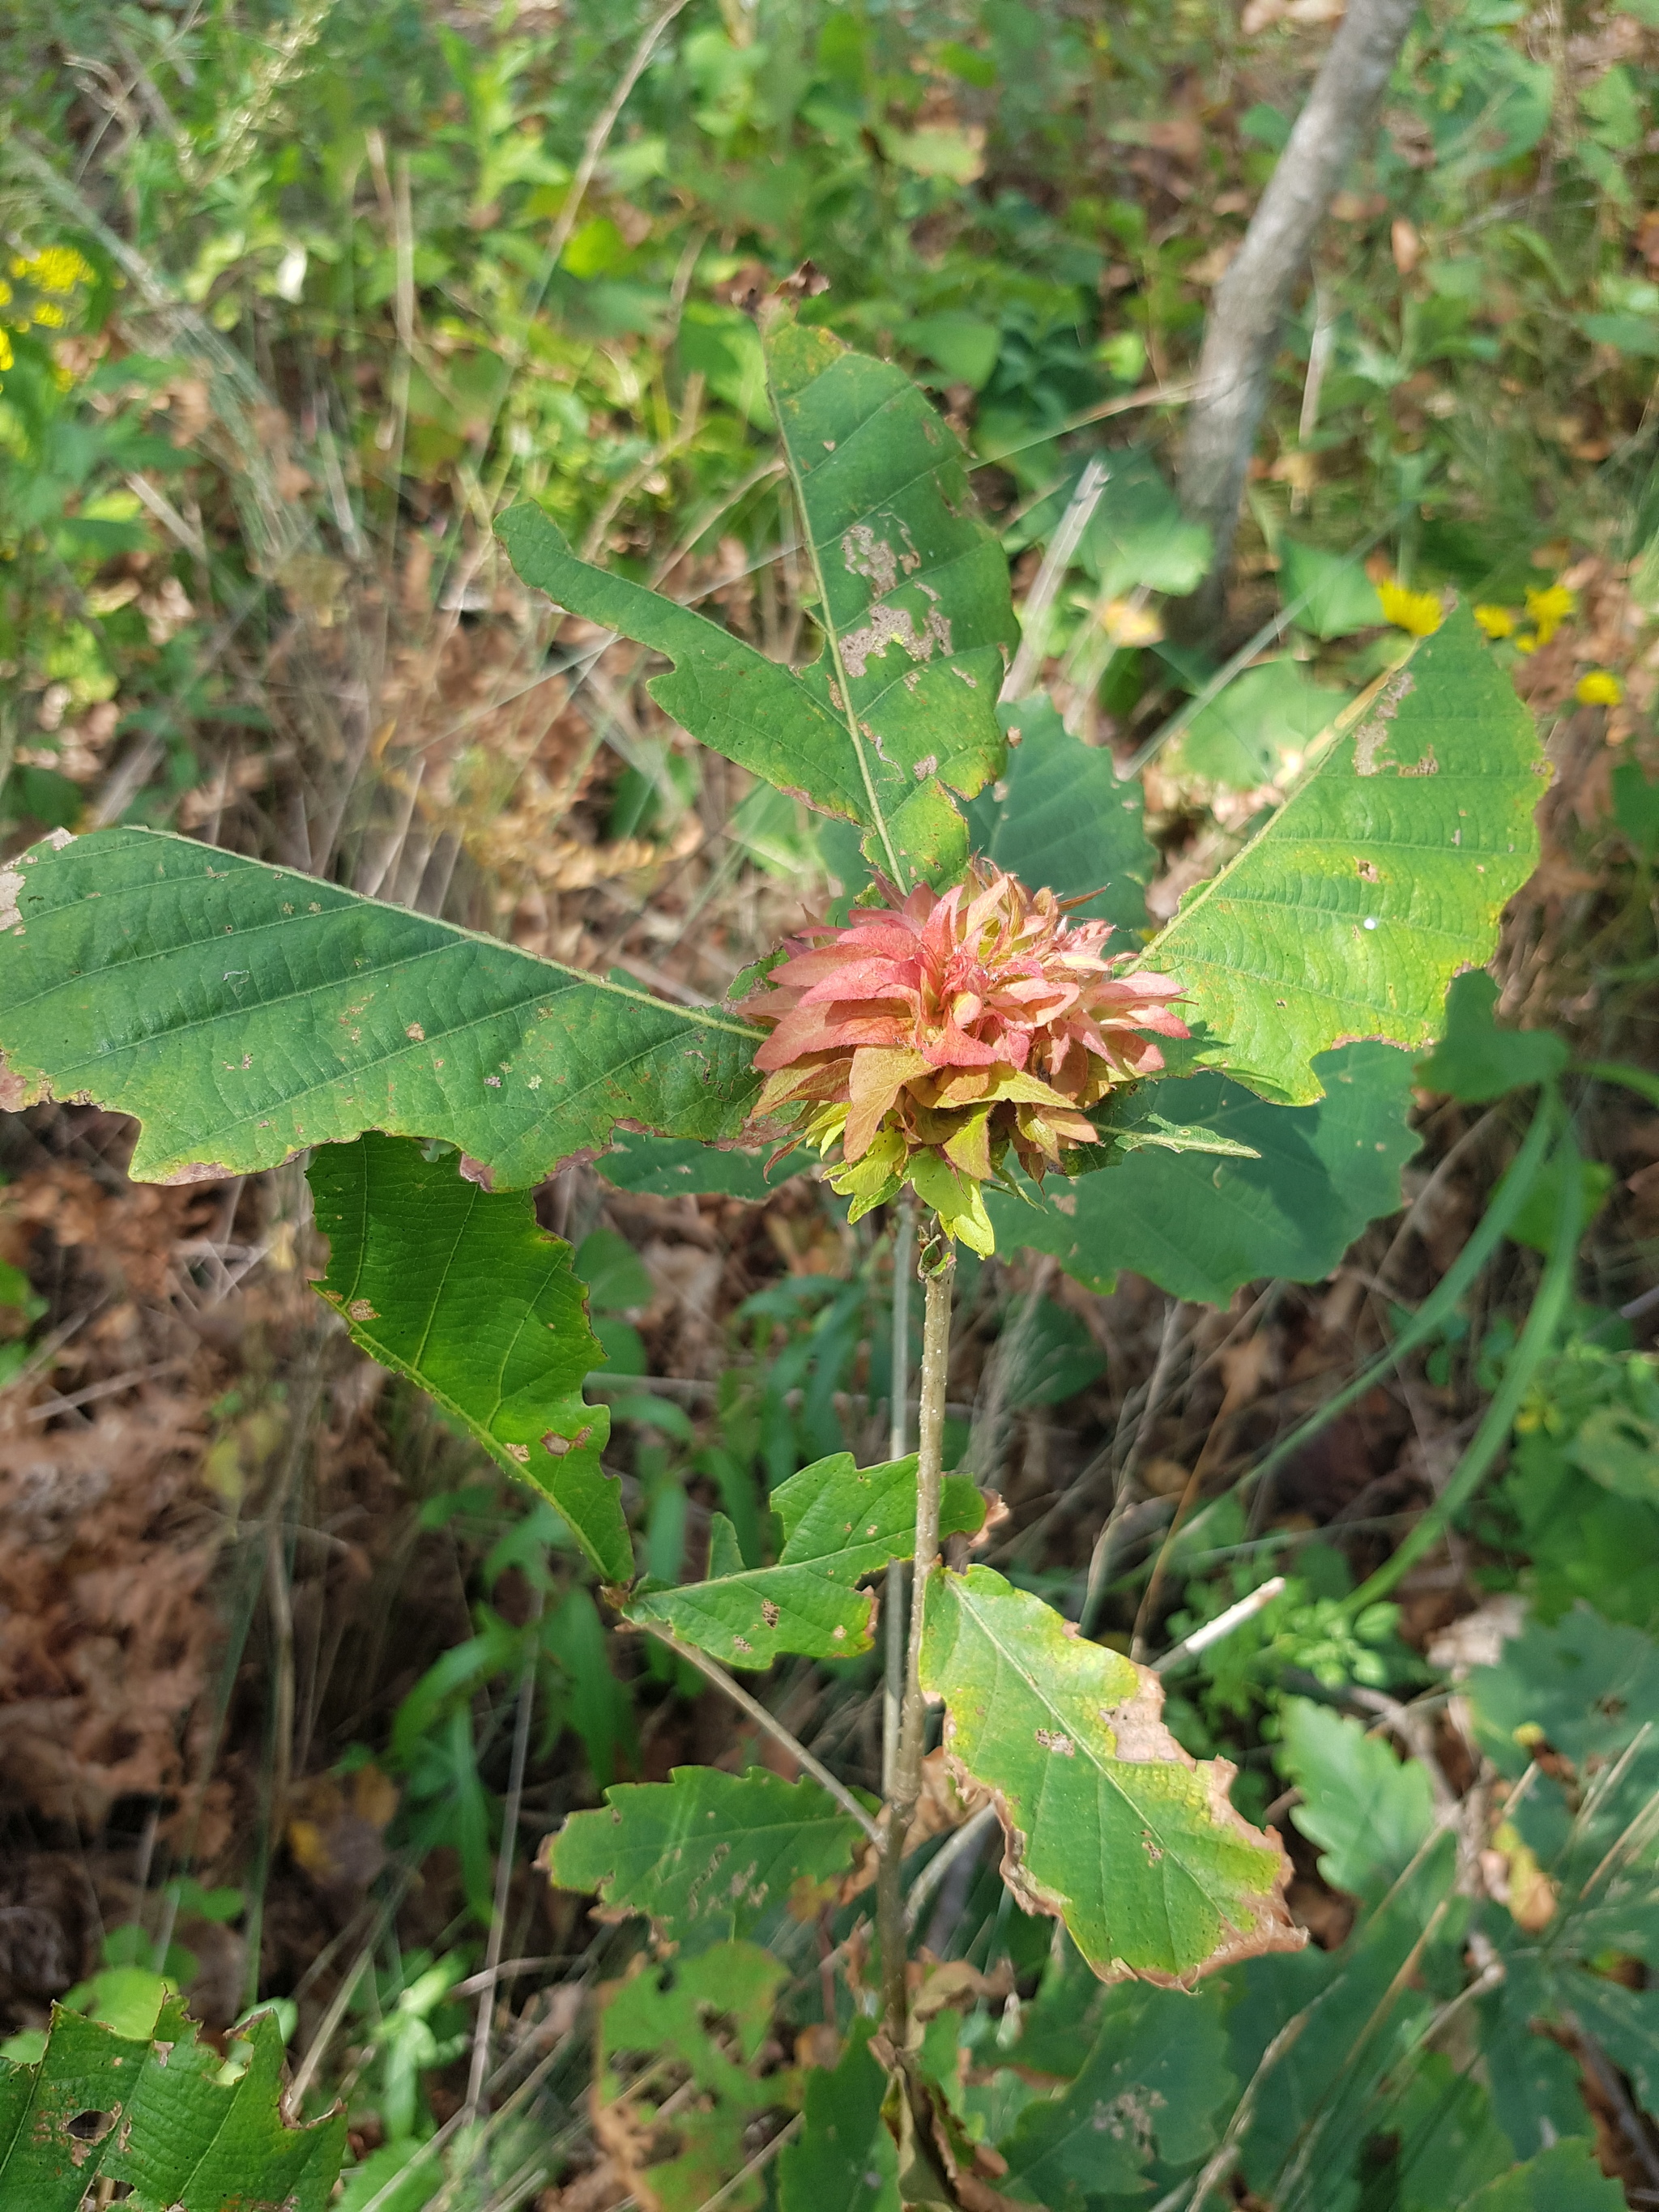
705, 1856
461, 1290
159, 2117
241, 1012
1109, 1824
1380, 878
699, 2029
840, 1523
195, 2142
899, 711
1301, 1184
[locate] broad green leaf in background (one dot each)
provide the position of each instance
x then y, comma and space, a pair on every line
1263, 722
1136, 536
668, 1167
1475, 1060
157, 2117
1057, 816
900, 710
840, 1523
1149, 2086
1564, 2179
1333, 595
1109, 1824
461, 1290
671, 2015
1368, 1811
705, 1856
1382, 877
964, 346
844, 2159
1199, 1226
242, 1012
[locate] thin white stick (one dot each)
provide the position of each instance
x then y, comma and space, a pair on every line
1040, 599
1223, 1625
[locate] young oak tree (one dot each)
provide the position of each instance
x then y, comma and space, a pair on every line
1224, 1101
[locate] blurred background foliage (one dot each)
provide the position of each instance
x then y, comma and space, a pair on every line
295, 301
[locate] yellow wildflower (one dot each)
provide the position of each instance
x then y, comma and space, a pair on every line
1527, 642
1419, 612
1550, 609
1600, 688
5, 352
55, 269
49, 315
1497, 622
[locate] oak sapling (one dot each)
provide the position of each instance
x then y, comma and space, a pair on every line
963, 1033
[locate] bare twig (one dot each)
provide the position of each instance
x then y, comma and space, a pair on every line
773, 1727
492, 1966
1242, 336
940, 1274
1056, 559
892, 1693
967, 1838
1223, 1625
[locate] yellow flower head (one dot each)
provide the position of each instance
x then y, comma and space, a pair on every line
1550, 609
50, 315
55, 269
1527, 642
1600, 688
1497, 622
5, 352
1419, 612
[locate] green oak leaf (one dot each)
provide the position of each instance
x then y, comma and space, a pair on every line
705, 1856
194, 2143
1148, 2088
1110, 1824
840, 1523
157, 2117
242, 1012
1564, 2179
461, 1290
844, 2159
1057, 816
671, 2016
1380, 878
899, 711
1198, 1226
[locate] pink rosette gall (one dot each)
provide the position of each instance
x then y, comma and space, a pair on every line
937, 1032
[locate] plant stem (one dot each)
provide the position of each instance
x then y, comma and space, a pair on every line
773, 1727
913, 1717
892, 1608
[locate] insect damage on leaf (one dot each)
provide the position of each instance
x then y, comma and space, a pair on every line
1109, 1824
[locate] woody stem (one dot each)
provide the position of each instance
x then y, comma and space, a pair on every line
906, 1786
